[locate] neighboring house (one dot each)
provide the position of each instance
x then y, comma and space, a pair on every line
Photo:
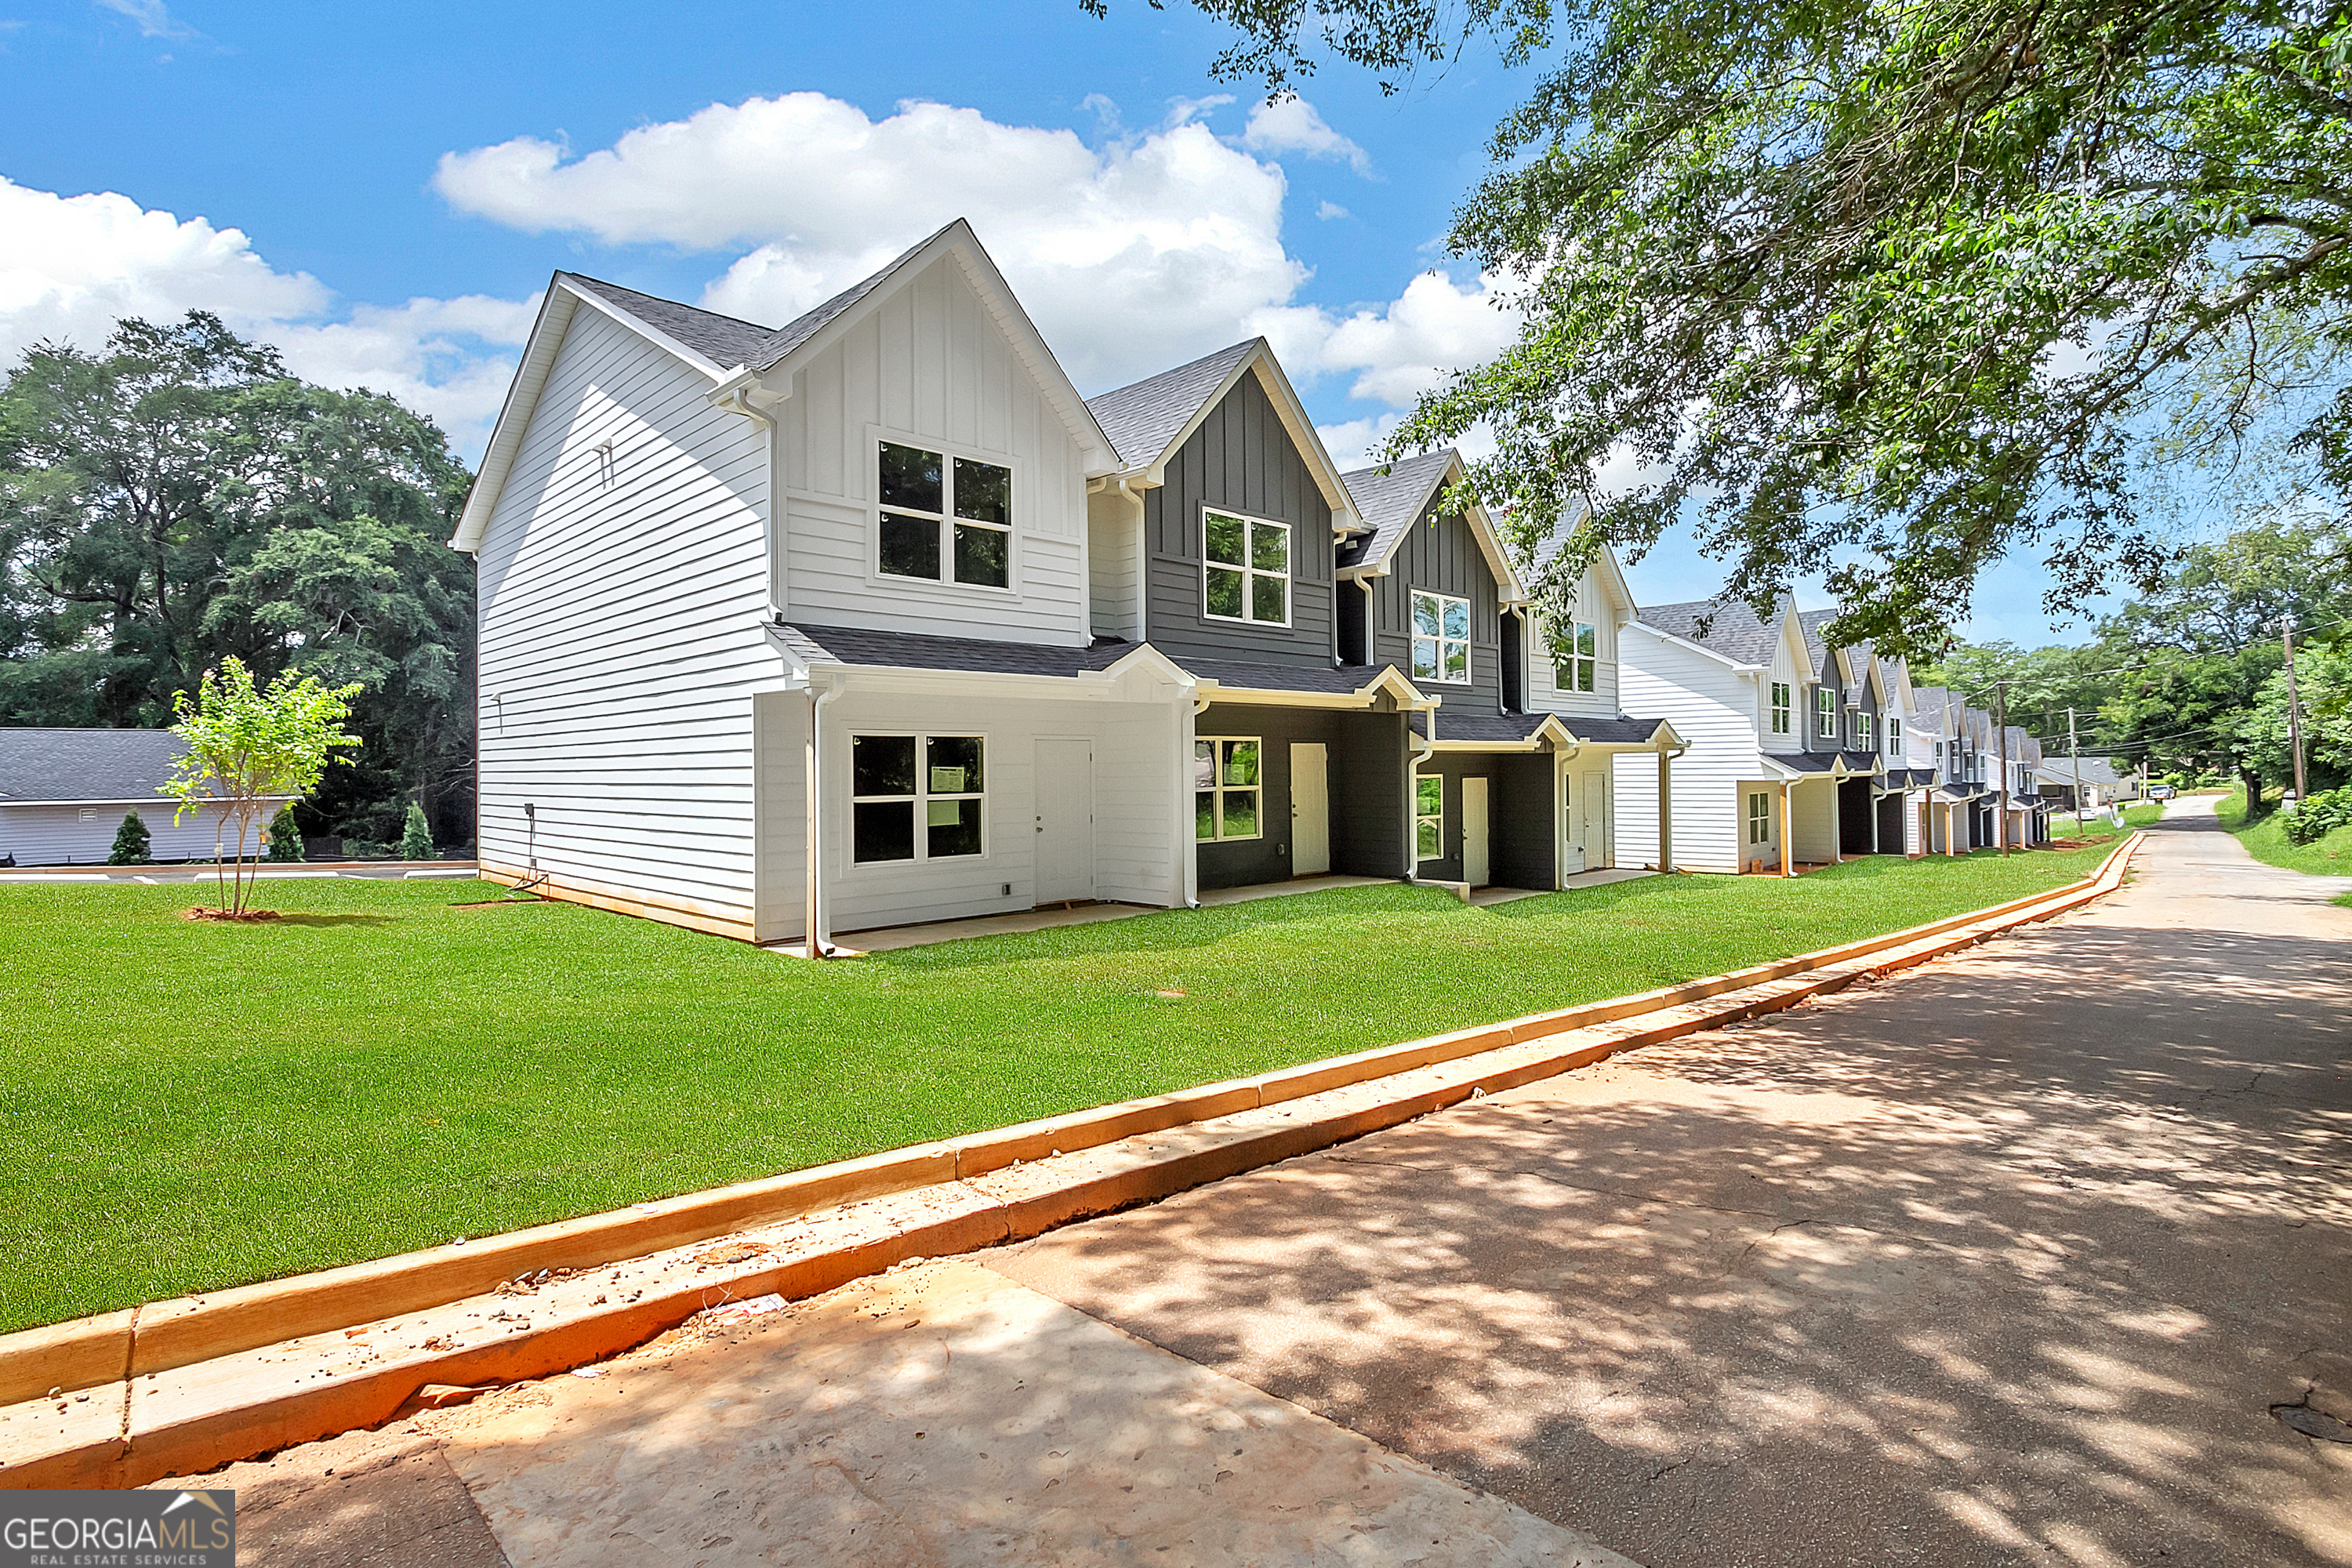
1942, 739
64, 794
871, 619
2101, 782
1784, 761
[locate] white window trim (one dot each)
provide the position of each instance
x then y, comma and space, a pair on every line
1825, 712
1756, 817
922, 739
1576, 659
1420, 816
1221, 789
948, 452
1413, 637
1250, 573
1782, 699
1865, 731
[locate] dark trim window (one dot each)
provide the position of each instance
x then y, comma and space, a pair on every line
1760, 816
1441, 637
1227, 788
1244, 569
917, 797
944, 519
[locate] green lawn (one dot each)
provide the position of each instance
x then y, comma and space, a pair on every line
187, 1105
2266, 841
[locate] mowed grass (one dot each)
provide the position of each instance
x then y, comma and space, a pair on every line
2330, 856
185, 1106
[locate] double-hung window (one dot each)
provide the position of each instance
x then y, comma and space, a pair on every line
1576, 657
1760, 816
1225, 786
947, 519
1825, 706
1863, 739
1441, 637
1247, 567
1895, 737
1781, 705
915, 797
1428, 816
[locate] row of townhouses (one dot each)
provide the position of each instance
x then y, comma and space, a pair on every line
872, 619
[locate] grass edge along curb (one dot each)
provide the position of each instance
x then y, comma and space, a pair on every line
143, 1341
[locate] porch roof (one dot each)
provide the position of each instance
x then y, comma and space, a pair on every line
912, 651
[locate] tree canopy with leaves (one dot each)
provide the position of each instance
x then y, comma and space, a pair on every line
1884, 288
179, 499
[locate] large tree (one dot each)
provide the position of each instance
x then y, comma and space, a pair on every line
1884, 288
178, 498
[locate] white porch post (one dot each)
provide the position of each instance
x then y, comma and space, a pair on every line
1666, 813
1788, 832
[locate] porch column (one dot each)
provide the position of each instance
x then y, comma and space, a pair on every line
1788, 833
1665, 814
1837, 823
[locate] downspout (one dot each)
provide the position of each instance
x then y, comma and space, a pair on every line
1666, 755
814, 909
1418, 750
1190, 852
1787, 829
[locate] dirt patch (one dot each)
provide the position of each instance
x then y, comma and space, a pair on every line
202, 913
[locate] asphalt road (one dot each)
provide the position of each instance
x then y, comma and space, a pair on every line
2007, 1260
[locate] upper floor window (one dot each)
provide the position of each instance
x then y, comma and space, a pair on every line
1576, 657
1894, 736
1864, 738
945, 520
1781, 704
1225, 788
915, 797
1825, 711
1247, 560
1441, 637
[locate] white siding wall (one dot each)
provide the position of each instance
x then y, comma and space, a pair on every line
928, 364
1712, 708
1545, 694
1115, 551
1788, 669
1135, 781
1634, 799
619, 635
57, 835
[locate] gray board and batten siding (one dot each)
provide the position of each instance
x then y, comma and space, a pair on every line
1365, 763
1241, 459
1440, 554
1520, 833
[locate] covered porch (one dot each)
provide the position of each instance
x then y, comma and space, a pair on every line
1531, 800
1801, 818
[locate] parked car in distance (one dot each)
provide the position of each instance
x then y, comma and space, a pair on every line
2161, 792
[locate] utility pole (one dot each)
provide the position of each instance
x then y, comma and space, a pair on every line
2075, 750
2000, 723
2293, 708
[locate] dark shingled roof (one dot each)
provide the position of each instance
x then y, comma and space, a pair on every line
1392, 503
85, 764
912, 651
1505, 728
1143, 417
727, 341
1340, 679
1731, 630
1612, 732
2095, 769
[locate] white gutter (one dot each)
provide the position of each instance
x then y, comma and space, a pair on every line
813, 912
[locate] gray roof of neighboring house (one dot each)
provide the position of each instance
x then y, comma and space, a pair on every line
2095, 770
1730, 627
1143, 417
1392, 503
727, 341
85, 764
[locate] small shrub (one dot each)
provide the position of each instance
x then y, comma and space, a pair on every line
2324, 813
416, 837
133, 845
285, 838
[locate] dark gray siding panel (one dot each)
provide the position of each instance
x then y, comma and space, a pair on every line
1365, 759
1241, 459
1442, 559
1525, 808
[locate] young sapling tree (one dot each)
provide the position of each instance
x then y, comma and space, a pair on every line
247, 747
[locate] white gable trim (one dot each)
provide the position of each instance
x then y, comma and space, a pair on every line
1482, 527
1261, 361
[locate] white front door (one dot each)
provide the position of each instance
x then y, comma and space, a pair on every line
1066, 821
1593, 819
1310, 810
1474, 831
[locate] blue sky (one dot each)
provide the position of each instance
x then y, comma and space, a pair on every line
383, 191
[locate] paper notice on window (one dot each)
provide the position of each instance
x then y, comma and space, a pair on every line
946, 813
947, 781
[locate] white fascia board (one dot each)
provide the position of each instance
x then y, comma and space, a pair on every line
1751, 671
1097, 458
163, 800
556, 309
1260, 362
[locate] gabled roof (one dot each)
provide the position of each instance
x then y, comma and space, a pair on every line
1148, 420
2095, 770
111, 765
1732, 630
1390, 504
733, 352
1144, 417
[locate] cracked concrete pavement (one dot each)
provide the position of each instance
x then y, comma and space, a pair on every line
2012, 1260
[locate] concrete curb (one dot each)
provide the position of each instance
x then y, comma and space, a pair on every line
231, 1355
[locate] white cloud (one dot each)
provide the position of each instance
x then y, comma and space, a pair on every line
1326, 211
1403, 349
1140, 254
153, 18
1294, 125
71, 265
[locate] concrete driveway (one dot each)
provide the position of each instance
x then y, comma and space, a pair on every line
2039, 1255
